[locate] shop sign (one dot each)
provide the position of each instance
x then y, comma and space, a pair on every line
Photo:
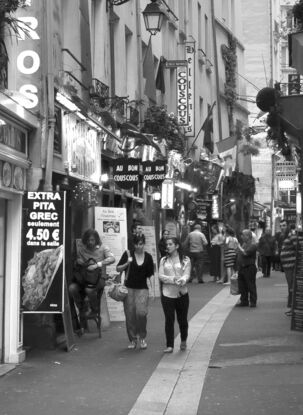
203, 208
42, 273
190, 58
154, 172
182, 96
83, 152
126, 172
28, 61
167, 194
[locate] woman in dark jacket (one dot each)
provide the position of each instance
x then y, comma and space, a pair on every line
266, 248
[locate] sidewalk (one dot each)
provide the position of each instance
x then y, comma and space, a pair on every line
239, 361
257, 363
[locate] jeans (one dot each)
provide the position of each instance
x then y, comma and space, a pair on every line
179, 305
289, 274
247, 284
79, 292
196, 259
136, 309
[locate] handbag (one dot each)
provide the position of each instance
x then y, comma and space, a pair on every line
234, 286
90, 278
118, 291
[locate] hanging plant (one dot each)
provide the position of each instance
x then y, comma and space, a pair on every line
164, 126
7, 20
85, 195
250, 146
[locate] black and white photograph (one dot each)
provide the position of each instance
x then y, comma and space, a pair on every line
151, 196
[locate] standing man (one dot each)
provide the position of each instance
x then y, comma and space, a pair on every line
288, 257
247, 270
194, 243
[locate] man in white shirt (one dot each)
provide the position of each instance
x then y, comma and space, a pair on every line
195, 242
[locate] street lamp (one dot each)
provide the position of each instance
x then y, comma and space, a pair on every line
153, 17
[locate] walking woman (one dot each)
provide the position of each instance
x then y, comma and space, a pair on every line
230, 253
141, 269
216, 242
174, 273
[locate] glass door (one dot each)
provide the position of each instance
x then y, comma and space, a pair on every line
2, 270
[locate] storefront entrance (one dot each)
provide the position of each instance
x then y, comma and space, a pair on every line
3, 220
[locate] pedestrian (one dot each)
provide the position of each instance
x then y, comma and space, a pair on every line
141, 269
130, 241
174, 273
266, 248
288, 258
216, 244
247, 270
230, 252
195, 243
162, 243
89, 250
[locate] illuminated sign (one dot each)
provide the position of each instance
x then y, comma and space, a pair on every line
167, 194
82, 150
28, 59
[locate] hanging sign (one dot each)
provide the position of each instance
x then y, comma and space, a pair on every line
154, 172
126, 172
42, 272
182, 95
190, 57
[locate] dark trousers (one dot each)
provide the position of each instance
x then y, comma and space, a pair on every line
179, 305
247, 284
196, 259
266, 265
79, 292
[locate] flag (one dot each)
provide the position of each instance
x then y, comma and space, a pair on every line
207, 127
160, 83
295, 47
148, 73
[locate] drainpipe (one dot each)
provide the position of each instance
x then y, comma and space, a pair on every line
139, 58
50, 113
112, 20
216, 69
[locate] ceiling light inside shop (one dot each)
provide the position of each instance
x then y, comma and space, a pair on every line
80, 115
2, 122
186, 186
67, 103
92, 124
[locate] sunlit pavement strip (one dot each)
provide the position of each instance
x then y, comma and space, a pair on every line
175, 386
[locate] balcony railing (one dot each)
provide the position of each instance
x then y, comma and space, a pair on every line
291, 88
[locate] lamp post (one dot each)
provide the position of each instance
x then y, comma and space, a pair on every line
153, 17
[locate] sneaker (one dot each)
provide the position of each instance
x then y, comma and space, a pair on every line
143, 344
226, 283
168, 350
241, 305
183, 345
132, 345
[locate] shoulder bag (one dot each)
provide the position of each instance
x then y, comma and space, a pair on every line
118, 291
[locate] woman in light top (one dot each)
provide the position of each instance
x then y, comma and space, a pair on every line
174, 273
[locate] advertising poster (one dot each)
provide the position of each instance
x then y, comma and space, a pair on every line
151, 248
42, 265
111, 224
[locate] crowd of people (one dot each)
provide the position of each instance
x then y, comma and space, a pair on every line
179, 263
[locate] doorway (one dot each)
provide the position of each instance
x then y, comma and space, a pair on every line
3, 221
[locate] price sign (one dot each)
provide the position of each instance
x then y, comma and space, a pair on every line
42, 252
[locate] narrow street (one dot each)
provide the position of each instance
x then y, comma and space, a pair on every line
239, 360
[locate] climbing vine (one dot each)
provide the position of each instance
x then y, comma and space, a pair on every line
229, 55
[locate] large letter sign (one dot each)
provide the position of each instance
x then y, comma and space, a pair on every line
28, 61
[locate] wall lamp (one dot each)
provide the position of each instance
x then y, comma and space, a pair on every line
153, 17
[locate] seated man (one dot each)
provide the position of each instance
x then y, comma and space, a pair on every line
89, 275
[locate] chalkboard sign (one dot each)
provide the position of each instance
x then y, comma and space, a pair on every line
297, 302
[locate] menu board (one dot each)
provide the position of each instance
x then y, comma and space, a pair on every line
42, 265
297, 303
